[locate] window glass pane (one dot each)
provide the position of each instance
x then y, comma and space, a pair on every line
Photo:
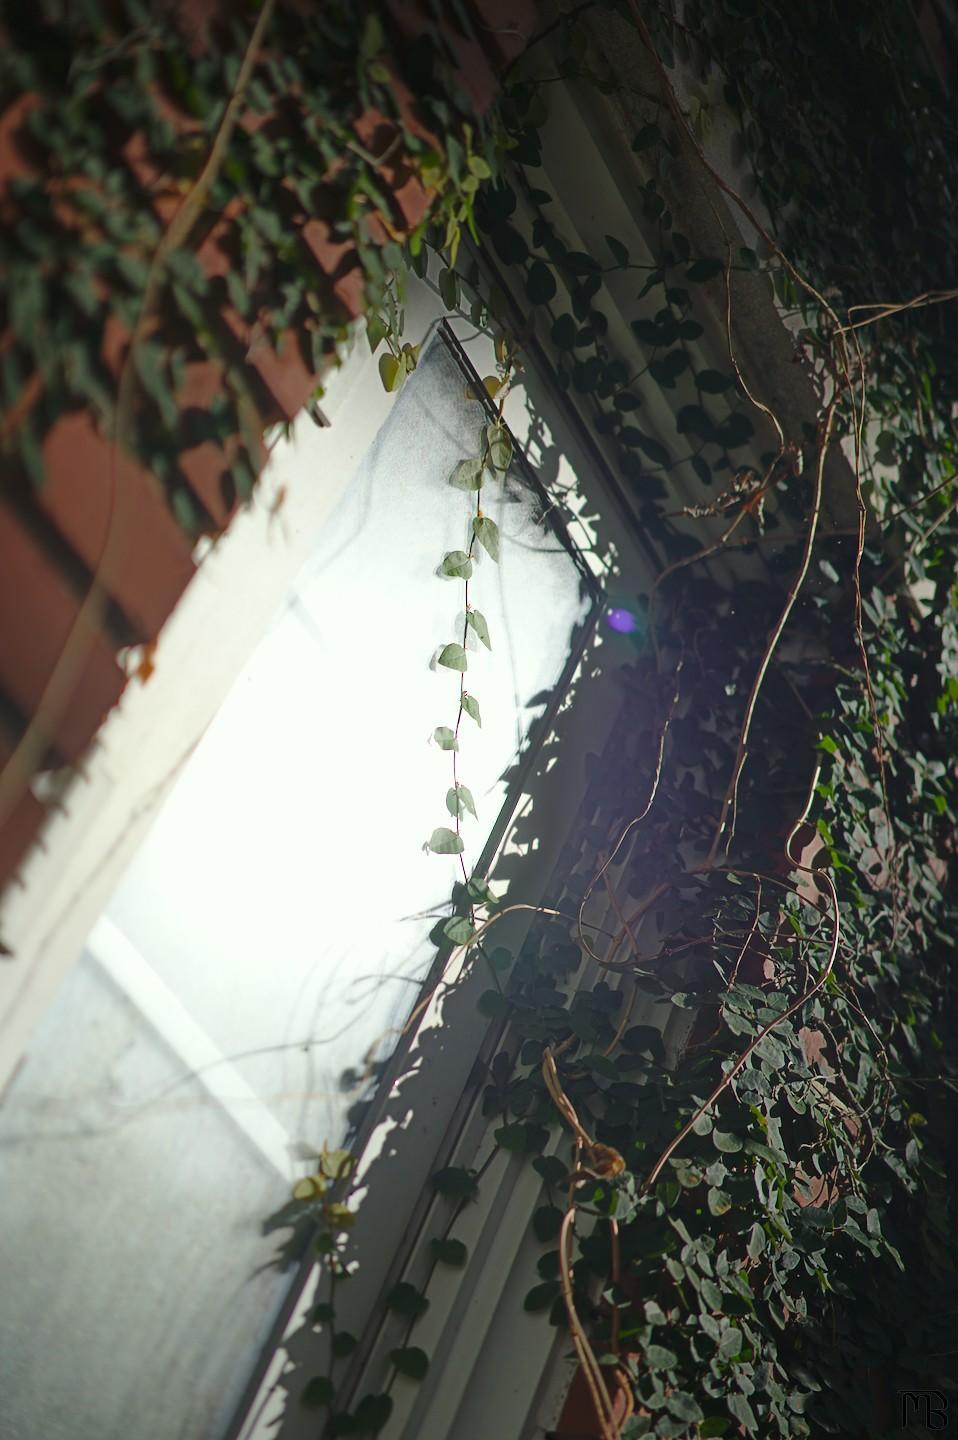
269, 936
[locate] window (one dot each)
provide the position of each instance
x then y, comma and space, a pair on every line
270, 935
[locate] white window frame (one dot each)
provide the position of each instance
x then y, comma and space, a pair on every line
66, 883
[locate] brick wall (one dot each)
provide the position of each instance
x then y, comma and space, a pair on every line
52, 535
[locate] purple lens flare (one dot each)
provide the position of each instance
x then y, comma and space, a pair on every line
622, 620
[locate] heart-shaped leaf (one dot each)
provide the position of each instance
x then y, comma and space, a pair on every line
477, 621
453, 657
487, 533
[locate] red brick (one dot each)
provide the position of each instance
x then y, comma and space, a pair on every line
375, 130
285, 375
283, 372
378, 134
194, 20
152, 567
28, 397
475, 73
40, 612
328, 252
506, 26
339, 261
408, 17
405, 104
204, 468
214, 250
204, 380
115, 343
412, 200
138, 158
350, 291
14, 151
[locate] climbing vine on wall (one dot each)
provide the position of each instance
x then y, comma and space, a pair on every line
299, 224
722, 1229
719, 1230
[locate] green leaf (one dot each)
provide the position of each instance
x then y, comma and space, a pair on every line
711, 1294
706, 269
692, 420
564, 333
480, 892
636, 1427
713, 382
552, 1169
719, 1202
477, 621
479, 167
487, 533
459, 930
375, 331
757, 1241
318, 1391
449, 1252
405, 1299
373, 40
458, 564
499, 447
540, 1297
453, 657
661, 1358
546, 1223
731, 1343
578, 263
471, 706
184, 508
518, 1136
667, 370
443, 841
467, 475
685, 1406
619, 253
149, 360
455, 1183
449, 289
715, 1425
459, 800
445, 738
541, 283
410, 1361
373, 1411
647, 135
392, 372
651, 449
727, 1142
742, 1411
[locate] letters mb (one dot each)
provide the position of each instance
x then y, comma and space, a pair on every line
923, 1407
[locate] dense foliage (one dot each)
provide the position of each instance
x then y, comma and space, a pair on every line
791, 1263
118, 125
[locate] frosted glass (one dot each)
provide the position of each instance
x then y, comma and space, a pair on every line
269, 935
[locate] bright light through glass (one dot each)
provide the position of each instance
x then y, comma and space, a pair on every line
270, 934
